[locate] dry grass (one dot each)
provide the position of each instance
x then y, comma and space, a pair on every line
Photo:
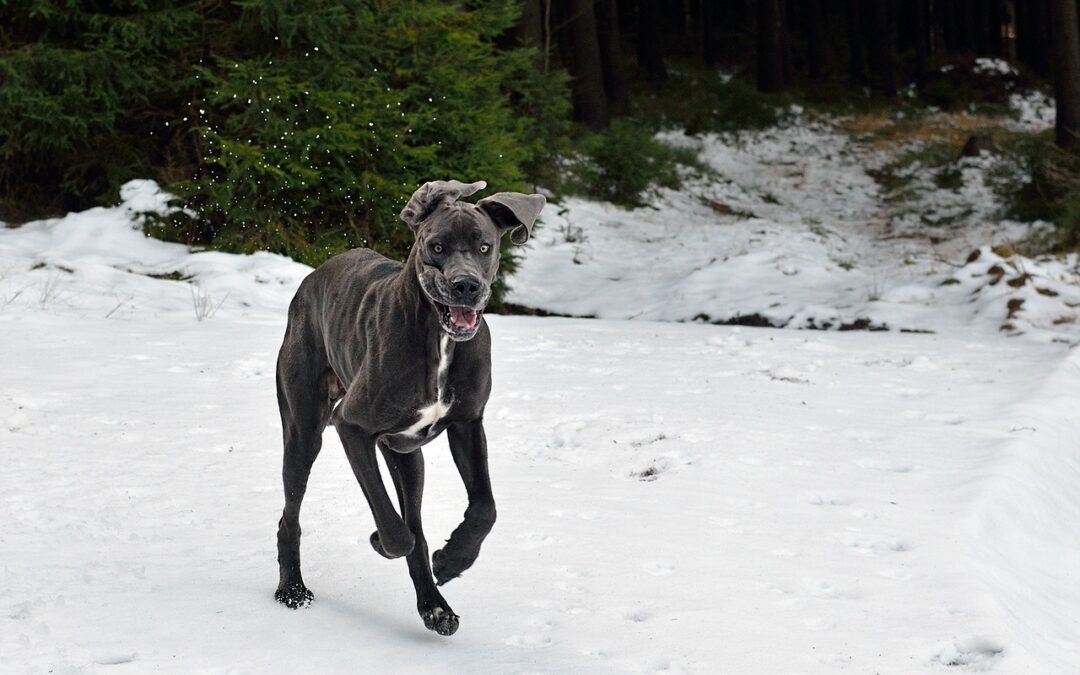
952, 129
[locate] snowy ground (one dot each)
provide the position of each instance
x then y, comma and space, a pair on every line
673, 497
793, 230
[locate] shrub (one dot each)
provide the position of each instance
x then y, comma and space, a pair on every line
1042, 182
300, 128
620, 163
700, 100
82, 91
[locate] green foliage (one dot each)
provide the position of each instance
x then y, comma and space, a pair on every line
621, 163
897, 176
700, 100
956, 83
300, 128
81, 90
1042, 182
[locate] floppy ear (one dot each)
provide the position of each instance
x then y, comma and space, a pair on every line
434, 193
514, 211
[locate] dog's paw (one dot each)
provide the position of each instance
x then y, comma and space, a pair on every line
294, 596
441, 569
395, 549
446, 566
442, 621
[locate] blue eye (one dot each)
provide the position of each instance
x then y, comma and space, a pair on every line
437, 248
484, 248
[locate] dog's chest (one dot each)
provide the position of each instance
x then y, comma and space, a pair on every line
429, 415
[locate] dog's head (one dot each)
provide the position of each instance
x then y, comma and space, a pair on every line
457, 246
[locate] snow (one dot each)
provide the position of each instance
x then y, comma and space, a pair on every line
1033, 109
673, 497
994, 66
793, 228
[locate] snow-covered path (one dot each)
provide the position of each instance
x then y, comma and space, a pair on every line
672, 498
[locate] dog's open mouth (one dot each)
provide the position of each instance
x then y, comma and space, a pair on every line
460, 322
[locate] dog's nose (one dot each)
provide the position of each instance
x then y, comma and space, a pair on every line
466, 289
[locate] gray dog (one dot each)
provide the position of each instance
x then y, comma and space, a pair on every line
392, 355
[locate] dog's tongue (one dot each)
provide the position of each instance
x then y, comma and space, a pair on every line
463, 317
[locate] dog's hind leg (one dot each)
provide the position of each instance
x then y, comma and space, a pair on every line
407, 470
468, 445
305, 405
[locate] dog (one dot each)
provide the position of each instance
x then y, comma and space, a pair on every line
392, 355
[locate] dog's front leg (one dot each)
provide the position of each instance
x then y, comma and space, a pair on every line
391, 537
468, 445
407, 470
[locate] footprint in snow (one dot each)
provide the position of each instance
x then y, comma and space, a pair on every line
115, 659
532, 540
976, 652
637, 615
831, 589
869, 544
818, 499
529, 641
566, 572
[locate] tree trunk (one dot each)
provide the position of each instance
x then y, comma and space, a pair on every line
1066, 38
770, 46
530, 29
785, 43
649, 52
939, 31
967, 27
587, 80
815, 41
607, 26
1041, 61
856, 65
995, 17
708, 32
922, 40
881, 47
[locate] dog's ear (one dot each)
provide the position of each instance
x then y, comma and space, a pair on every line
515, 212
434, 193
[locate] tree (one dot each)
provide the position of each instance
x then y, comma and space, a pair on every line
1033, 35
922, 39
1066, 44
649, 53
582, 60
611, 65
770, 51
856, 68
815, 40
881, 47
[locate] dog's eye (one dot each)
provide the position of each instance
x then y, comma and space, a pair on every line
484, 248
437, 248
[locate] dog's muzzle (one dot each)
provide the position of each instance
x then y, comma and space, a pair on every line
459, 304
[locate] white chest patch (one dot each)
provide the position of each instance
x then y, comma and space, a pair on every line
430, 414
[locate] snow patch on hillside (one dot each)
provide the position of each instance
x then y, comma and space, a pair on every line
793, 231
99, 262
